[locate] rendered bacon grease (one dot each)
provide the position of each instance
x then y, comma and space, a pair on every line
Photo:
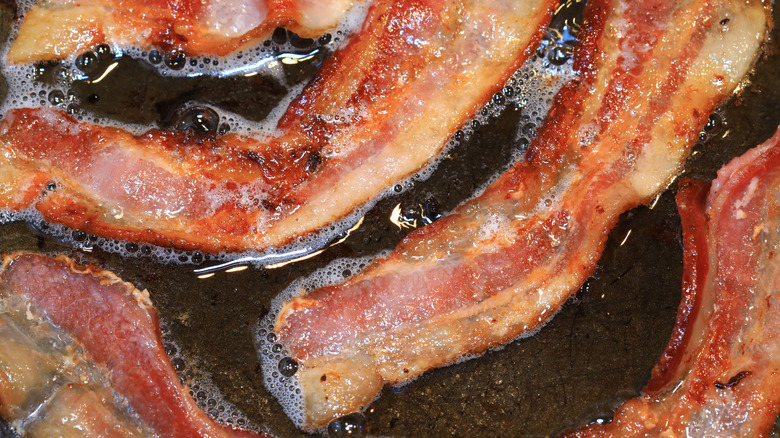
58, 29
379, 110
502, 264
719, 373
81, 355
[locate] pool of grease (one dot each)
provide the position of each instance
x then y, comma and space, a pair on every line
597, 352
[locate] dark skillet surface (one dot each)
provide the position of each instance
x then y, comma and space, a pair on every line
597, 352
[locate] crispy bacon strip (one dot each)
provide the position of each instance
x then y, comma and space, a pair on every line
49, 387
377, 112
58, 29
719, 375
502, 264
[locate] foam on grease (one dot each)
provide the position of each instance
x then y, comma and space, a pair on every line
287, 390
203, 390
25, 90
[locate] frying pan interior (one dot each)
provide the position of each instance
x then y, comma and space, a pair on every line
597, 352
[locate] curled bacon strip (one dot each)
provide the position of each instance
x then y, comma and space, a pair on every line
719, 375
377, 112
49, 390
502, 264
57, 29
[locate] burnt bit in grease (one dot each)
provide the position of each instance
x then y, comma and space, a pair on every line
313, 161
253, 156
733, 381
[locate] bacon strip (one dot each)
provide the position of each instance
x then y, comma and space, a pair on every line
49, 387
58, 29
719, 374
377, 112
502, 264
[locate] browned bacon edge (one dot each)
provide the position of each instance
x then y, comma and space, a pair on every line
670, 368
119, 330
58, 29
377, 112
720, 373
502, 264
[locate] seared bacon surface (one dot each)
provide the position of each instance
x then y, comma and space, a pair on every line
502, 264
377, 112
720, 373
58, 29
50, 386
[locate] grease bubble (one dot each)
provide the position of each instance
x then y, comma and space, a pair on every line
352, 425
288, 366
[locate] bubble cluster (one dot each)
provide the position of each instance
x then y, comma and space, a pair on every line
51, 85
714, 127
286, 388
88, 242
531, 90
268, 57
206, 394
48, 83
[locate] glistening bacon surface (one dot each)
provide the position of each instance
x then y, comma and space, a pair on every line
503, 263
58, 29
49, 387
377, 112
720, 373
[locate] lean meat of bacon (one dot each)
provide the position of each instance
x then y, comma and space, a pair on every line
58, 29
720, 373
377, 112
81, 355
650, 73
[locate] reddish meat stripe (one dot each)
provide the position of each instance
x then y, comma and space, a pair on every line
118, 329
503, 263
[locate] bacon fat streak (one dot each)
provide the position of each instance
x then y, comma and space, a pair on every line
58, 29
81, 355
720, 373
376, 113
650, 73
